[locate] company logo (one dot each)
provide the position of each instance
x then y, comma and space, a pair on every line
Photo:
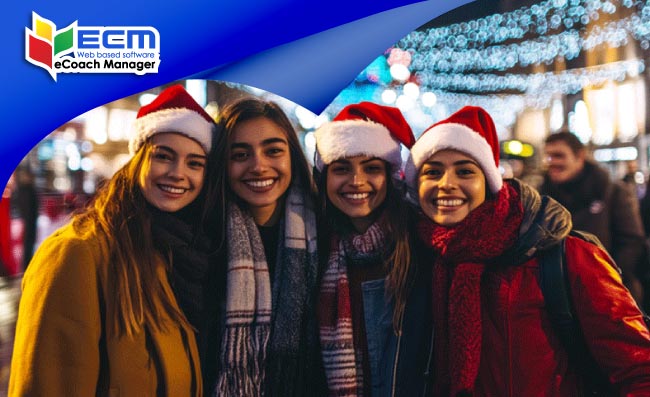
92, 49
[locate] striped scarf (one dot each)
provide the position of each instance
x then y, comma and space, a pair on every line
343, 363
247, 341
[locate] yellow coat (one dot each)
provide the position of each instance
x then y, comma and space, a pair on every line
61, 347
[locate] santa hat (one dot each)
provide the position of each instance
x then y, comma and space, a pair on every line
363, 129
174, 110
471, 131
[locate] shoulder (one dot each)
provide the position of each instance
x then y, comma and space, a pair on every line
590, 265
69, 253
579, 248
621, 192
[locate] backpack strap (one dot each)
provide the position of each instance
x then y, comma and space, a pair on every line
554, 277
554, 283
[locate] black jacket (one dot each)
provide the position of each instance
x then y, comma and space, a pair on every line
606, 209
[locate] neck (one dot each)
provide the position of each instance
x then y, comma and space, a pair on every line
362, 224
267, 215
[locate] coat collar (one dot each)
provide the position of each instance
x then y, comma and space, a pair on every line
545, 224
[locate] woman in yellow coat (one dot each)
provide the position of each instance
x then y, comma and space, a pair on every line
98, 315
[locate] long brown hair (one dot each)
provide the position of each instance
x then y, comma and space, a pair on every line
119, 213
248, 109
399, 261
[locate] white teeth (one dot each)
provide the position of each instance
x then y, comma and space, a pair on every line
356, 196
449, 203
264, 183
171, 189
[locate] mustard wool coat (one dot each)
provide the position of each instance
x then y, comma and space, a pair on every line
61, 348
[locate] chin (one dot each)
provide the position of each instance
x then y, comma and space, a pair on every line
447, 221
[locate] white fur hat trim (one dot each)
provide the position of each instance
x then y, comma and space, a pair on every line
458, 137
349, 138
180, 120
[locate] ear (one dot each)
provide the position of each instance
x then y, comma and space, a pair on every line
581, 155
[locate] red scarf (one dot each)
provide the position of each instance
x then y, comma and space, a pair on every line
463, 251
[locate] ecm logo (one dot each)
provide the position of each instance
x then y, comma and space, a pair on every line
92, 49
118, 39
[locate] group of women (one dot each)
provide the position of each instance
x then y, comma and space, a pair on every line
216, 262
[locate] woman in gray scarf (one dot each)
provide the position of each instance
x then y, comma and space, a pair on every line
269, 340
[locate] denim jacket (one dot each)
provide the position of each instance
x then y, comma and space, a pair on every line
399, 365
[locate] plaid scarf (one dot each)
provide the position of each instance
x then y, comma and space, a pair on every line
463, 252
343, 363
248, 351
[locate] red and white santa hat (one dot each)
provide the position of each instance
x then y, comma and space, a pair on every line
363, 129
471, 131
174, 110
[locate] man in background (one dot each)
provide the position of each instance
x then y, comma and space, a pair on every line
598, 205
25, 199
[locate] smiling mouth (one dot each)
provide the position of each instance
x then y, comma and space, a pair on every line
260, 184
448, 203
172, 189
355, 196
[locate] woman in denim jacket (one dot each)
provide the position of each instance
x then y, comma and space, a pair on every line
364, 318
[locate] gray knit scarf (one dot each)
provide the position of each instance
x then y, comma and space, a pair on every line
249, 350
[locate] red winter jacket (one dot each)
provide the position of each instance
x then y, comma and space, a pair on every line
521, 353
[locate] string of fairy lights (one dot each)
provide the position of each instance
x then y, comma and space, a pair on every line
474, 62
539, 19
540, 84
544, 50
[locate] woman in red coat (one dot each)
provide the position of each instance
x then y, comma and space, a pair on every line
493, 333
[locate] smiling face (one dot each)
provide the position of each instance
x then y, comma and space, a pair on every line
259, 165
450, 185
357, 187
173, 173
562, 162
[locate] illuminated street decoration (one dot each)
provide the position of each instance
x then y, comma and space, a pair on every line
540, 19
511, 62
566, 82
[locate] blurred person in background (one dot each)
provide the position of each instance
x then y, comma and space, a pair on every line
25, 199
102, 311
8, 265
645, 210
598, 205
634, 178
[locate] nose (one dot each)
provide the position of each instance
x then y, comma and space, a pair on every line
358, 179
176, 170
447, 181
259, 164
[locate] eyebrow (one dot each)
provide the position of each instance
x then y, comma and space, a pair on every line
169, 149
265, 142
459, 162
346, 161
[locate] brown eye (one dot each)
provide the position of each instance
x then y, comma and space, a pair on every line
275, 151
239, 156
196, 164
163, 156
431, 172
